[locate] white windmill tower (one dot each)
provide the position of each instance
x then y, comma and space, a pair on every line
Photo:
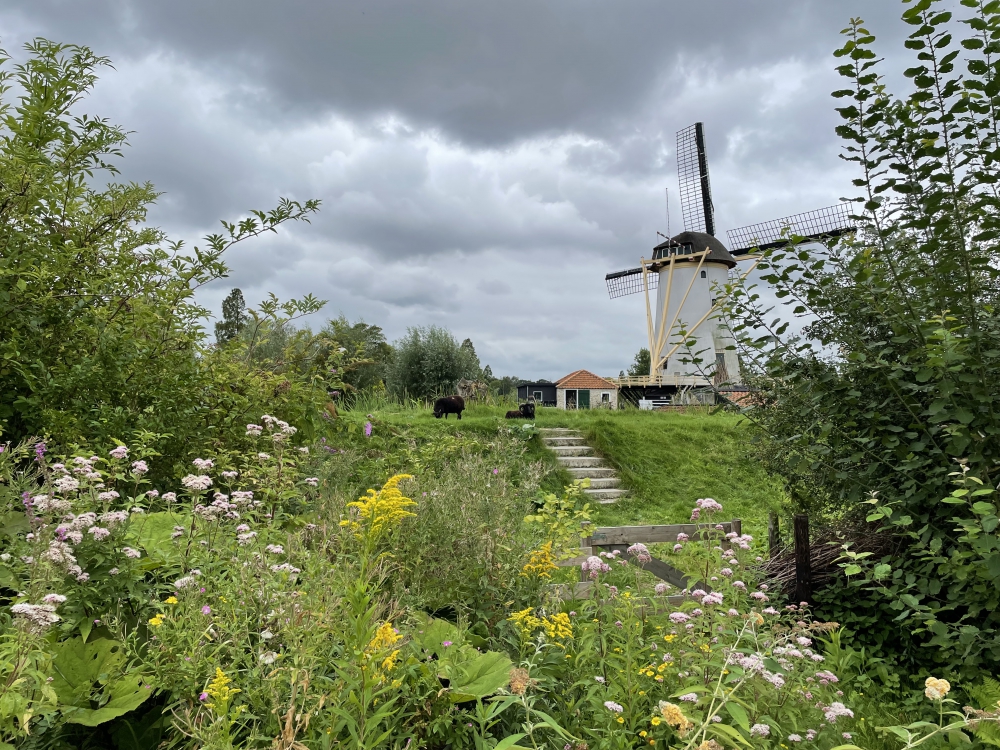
690, 342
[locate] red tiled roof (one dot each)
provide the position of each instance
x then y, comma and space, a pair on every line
586, 380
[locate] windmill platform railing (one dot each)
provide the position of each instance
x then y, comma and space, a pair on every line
660, 380
620, 538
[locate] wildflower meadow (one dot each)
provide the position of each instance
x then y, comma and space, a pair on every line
268, 541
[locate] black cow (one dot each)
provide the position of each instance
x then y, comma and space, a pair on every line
524, 411
449, 405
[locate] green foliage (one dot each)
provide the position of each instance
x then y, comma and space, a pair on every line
563, 518
234, 318
367, 344
895, 376
428, 362
92, 682
101, 338
640, 366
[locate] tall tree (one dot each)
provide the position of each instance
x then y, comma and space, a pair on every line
428, 361
641, 363
234, 318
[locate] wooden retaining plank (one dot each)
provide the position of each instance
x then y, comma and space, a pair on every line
607, 535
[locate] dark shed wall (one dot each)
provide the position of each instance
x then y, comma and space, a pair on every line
525, 390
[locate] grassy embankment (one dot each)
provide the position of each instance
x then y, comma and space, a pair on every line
665, 459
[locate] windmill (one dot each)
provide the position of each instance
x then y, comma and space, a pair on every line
690, 270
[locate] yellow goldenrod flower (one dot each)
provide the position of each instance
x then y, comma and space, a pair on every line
219, 690
525, 622
157, 620
541, 563
383, 641
558, 627
668, 638
705, 647
379, 511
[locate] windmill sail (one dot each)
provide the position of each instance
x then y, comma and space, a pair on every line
622, 283
692, 173
821, 224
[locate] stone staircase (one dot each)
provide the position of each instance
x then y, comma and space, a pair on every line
579, 460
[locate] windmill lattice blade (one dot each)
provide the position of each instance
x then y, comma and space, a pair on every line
823, 223
692, 174
622, 283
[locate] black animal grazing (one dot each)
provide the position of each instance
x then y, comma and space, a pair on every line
524, 411
449, 405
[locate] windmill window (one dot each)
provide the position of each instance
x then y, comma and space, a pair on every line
704, 275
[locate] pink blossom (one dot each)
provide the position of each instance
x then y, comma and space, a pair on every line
682, 537
109, 496
312, 481
169, 497
254, 430
678, 547
678, 617
661, 588
275, 549
99, 533
131, 553
760, 730
640, 553
206, 610
140, 467
739, 585
230, 474
689, 697
708, 505
726, 572
120, 452
835, 710
203, 464
196, 482
66, 484
53, 599
714, 598
612, 706
595, 565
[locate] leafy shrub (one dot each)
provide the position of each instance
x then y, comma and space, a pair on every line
101, 339
428, 362
893, 383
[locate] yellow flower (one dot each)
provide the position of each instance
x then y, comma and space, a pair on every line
936, 689
642, 733
558, 627
541, 563
620, 720
656, 721
170, 600
219, 690
379, 511
157, 620
525, 622
659, 678
383, 641
669, 638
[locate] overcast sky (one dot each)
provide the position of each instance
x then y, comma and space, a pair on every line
482, 166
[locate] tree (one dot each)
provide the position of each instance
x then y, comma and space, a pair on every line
101, 338
367, 343
884, 409
428, 361
472, 360
234, 318
640, 366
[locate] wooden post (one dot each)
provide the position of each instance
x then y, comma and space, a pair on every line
773, 541
738, 526
803, 572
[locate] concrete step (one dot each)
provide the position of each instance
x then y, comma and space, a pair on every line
605, 496
551, 441
571, 450
593, 472
558, 432
581, 462
604, 483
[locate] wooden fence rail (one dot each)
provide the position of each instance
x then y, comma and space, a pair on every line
620, 538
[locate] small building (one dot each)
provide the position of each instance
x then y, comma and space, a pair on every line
541, 394
585, 390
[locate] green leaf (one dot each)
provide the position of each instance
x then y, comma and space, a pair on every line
472, 675
508, 742
90, 682
739, 715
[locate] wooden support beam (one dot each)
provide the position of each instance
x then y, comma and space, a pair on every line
665, 332
773, 534
803, 565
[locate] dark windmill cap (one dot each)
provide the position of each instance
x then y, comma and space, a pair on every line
686, 243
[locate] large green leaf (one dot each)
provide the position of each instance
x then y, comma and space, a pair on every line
473, 675
90, 683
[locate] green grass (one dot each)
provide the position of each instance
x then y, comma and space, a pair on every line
665, 459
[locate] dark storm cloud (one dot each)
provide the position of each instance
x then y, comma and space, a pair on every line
481, 165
